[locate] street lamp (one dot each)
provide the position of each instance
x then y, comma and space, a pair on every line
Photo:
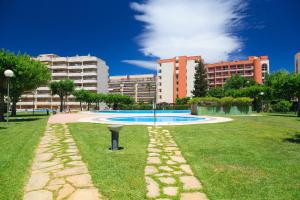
8, 74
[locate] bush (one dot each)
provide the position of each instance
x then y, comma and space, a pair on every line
282, 106
243, 101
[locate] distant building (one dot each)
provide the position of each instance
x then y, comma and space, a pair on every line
254, 67
87, 72
175, 78
297, 63
140, 87
176, 75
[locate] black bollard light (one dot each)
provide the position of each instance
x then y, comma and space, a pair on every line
115, 129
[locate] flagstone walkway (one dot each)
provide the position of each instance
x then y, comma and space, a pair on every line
58, 173
167, 174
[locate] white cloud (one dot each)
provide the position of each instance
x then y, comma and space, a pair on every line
190, 27
141, 63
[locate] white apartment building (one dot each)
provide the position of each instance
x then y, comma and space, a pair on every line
140, 87
87, 72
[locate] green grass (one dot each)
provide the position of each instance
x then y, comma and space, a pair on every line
17, 144
118, 175
249, 158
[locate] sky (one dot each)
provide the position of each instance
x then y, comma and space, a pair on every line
132, 35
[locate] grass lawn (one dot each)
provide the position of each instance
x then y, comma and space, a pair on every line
119, 175
17, 144
249, 158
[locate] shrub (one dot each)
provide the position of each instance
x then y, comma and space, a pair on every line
243, 101
282, 106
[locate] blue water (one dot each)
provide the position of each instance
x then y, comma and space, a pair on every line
145, 111
158, 119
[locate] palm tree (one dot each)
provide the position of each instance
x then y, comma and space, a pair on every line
63, 89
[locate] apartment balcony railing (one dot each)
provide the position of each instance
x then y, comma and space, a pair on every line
75, 67
89, 73
59, 74
75, 74
59, 67
90, 88
89, 66
89, 81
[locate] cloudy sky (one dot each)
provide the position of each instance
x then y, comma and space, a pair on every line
132, 35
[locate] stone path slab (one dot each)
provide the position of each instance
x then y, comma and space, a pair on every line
167, 174
57, 172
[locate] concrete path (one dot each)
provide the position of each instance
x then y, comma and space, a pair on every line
58, 171
167, 174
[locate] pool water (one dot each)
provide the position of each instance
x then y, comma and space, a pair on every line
146, 111
150, 119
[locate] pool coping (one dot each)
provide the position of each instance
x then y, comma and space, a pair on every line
103, 119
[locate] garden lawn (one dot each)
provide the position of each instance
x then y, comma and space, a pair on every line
249, 158
120, 174
17, 144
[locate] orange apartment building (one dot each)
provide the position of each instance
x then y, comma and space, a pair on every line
175, 76
254, 67
297, 63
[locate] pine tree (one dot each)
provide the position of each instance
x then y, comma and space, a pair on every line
200, 83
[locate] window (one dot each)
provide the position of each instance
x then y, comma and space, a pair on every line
264, 67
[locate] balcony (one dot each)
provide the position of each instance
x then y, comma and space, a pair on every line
89, 66
75, 67
75, 74
43, 89
90, 88
59, 67
89, 73
59, 74
89, 81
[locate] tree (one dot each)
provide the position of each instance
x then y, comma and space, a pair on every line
217, 92
80, 96
296, 86
63, 89
282, 85
28, 75
182, 101
238, 82
200, 83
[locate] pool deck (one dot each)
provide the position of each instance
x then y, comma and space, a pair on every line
102, 118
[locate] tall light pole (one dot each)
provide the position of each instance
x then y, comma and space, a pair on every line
8, 74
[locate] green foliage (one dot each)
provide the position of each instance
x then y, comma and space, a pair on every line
238, 82
282, 85
28, 75
282, 106
200, 83
182, 101
243, 101
63, 89
217, 92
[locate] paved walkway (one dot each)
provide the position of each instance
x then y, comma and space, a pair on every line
58, 171
167, 174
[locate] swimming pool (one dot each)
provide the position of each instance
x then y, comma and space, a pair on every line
151, 119
145, 111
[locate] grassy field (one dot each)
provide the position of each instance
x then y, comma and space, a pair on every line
249, 158
17, 144
119, 175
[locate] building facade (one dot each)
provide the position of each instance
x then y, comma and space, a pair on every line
297, 63
140, 87
176, 76
254, 67
87, 72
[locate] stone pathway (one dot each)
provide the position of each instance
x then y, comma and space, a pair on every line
167, 174
58, 172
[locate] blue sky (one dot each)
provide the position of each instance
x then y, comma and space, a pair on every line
126, 34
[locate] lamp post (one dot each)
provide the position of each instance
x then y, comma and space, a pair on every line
8, 74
